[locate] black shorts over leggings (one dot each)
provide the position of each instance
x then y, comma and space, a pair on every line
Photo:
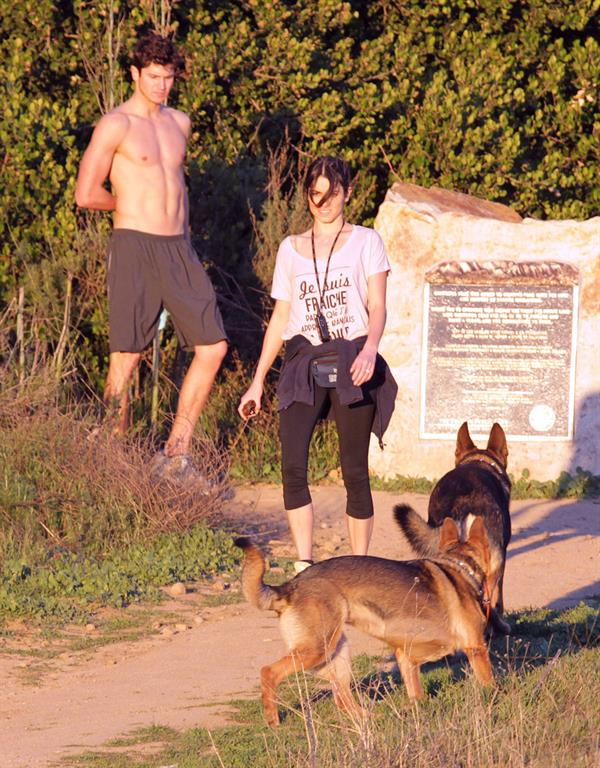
353, 422
148, 272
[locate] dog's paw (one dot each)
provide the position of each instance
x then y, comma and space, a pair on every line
498, 625
272, 719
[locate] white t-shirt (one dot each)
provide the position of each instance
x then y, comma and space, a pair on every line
345, 296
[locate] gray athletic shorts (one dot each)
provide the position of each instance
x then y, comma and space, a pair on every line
148, 272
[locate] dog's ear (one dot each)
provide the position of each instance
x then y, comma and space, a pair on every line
497, 444
477, 529
464, 444
478, 537
449, 535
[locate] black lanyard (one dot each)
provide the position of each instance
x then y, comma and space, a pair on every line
312, 242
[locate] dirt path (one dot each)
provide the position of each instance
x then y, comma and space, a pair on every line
185, 680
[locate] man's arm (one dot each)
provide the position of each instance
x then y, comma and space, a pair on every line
97, 161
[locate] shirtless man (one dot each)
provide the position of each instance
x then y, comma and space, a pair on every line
140, 146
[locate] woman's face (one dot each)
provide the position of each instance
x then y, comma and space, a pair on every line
333, 208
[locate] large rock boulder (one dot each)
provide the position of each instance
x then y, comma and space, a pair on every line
422, 228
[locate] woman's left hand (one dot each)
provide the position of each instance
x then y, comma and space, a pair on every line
363, 367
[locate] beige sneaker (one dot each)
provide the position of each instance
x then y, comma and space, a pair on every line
302, 565
180, 471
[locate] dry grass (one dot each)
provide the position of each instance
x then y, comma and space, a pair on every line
543, 714
67, 482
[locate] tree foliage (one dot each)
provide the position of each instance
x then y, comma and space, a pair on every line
496, 98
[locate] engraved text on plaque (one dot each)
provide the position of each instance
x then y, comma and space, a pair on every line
496, 348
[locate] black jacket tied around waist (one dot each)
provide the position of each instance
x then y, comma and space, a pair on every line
296, 384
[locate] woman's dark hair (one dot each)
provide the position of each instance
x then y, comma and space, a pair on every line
156, 49
337, 171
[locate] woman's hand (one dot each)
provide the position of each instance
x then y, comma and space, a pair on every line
250, 402
363, 367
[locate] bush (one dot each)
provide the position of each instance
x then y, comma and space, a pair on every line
68, 485
66, 586
495, 99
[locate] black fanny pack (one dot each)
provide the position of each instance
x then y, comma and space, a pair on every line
324, 370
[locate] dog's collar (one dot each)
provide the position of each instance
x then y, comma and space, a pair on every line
469, 568
480, 581
475, 573
488, 461
475, 576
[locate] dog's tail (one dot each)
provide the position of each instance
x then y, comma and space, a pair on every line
422, 537
255, 590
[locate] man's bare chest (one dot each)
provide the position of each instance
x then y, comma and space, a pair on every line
149, 143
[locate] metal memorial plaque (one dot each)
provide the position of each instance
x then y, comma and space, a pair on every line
499, 343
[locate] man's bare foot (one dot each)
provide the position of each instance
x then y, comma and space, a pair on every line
175, 448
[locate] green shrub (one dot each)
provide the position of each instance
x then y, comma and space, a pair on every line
68, 586
568, 486
494, 99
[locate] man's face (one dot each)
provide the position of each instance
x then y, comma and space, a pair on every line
154, 81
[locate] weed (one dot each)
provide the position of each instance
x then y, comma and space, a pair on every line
566, 486
69, 587
543, 713
66, 487
143, 735
581, 485
229, 597
401, 484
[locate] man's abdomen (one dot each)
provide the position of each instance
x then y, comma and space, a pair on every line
149, 199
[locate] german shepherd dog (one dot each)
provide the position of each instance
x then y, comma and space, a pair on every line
424, 609
478, 486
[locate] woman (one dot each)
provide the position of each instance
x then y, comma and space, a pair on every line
329, 288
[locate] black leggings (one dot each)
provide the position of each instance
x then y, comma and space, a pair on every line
353, 422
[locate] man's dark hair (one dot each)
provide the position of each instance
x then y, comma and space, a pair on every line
337, 172
156, 49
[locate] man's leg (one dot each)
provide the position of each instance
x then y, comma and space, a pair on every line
121, 366
194, 394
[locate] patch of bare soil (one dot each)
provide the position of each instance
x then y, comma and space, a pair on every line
183, 661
